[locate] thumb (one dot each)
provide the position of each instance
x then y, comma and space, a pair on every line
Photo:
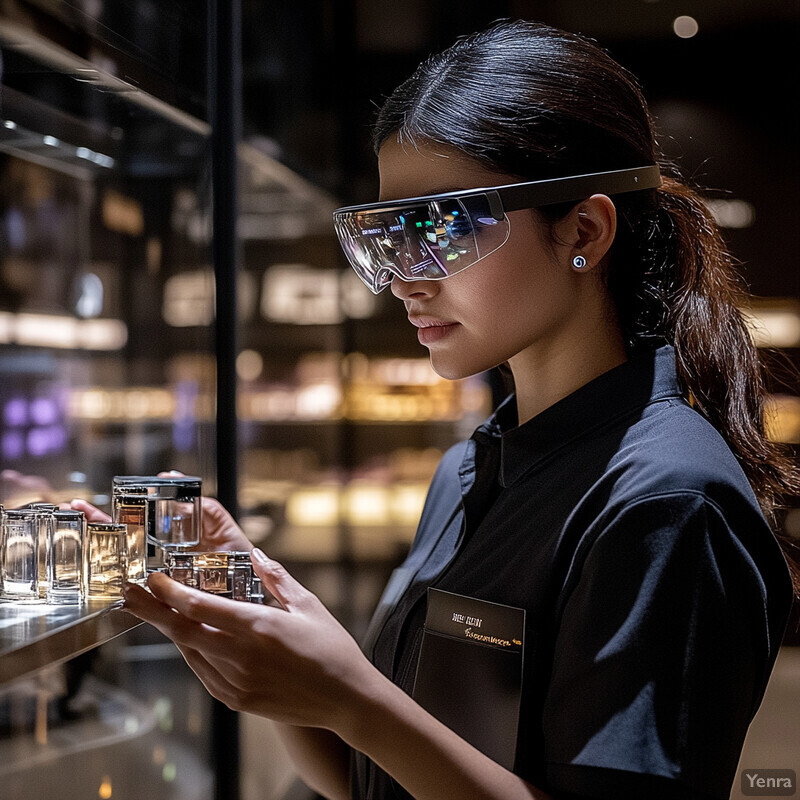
291, 594
93, 513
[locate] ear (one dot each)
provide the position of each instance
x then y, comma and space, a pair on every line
588, 230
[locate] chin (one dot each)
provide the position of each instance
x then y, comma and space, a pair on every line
450, 371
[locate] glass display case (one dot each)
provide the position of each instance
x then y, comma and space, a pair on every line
104, 201
109, 366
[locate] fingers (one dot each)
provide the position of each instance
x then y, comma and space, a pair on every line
184, 631
208, 675
93, 514
203, 607
291, 594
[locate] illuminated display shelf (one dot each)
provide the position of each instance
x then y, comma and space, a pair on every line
33, 636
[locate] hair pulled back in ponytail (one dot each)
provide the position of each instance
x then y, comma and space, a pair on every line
536, 102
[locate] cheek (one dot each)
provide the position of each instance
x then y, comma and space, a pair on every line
522, 285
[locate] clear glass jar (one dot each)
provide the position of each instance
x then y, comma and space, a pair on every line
19, 555
67, 539
106, 560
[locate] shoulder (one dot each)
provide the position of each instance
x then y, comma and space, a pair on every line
674, 490
446, 478
672, 449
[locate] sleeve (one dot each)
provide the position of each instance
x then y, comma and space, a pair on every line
662, 654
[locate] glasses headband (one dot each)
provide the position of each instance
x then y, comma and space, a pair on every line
532, 194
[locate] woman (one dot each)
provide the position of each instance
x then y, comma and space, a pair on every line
615, 499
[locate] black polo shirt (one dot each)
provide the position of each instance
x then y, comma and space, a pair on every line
655, 593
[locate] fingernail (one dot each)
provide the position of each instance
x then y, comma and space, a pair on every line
260, 556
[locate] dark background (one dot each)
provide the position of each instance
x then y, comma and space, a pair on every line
725, 100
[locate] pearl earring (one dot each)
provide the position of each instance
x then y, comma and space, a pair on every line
579, 262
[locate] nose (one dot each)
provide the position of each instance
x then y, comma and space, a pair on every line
406, 290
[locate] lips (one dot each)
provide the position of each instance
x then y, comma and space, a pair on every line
432, 329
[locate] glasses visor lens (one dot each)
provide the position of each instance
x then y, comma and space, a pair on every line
426, 241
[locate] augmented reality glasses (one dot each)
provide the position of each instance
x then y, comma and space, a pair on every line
433, 237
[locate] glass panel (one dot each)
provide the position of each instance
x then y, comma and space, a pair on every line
106, 356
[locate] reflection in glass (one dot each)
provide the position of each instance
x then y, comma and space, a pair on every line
212, 573
44, 512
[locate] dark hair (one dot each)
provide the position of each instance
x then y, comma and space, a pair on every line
535, 102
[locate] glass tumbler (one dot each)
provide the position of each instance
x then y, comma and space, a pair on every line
19, 555
65, 547
129, 507
106, 563
180, 567
45, 513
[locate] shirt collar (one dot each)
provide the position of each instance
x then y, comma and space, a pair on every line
632, 385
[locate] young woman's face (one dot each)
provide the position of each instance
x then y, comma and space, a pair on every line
518, 300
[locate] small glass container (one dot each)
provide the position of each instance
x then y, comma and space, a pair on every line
241, 569
19, 555
178, 513
256, 590
106, 561
129, 507
45, 513
181, 567
67, 538
174, 507
212, 573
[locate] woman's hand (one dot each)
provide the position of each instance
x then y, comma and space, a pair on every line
220, 531
295, 664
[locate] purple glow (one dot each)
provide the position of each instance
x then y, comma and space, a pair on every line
13, 445
46, 440
44, 411
38, 441
184, 429
15, 412
15, 228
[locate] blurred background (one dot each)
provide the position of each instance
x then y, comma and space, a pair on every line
148, 322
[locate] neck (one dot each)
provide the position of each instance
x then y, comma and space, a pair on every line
545, 374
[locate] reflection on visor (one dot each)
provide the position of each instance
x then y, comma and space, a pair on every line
428, 241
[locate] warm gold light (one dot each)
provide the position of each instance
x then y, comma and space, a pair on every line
105, 791
365, 504
782, 418
249, 365
774, 322
318, 506
406, 503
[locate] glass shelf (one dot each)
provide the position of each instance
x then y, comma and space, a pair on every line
36, 635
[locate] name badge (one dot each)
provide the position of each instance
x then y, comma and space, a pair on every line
469, 673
